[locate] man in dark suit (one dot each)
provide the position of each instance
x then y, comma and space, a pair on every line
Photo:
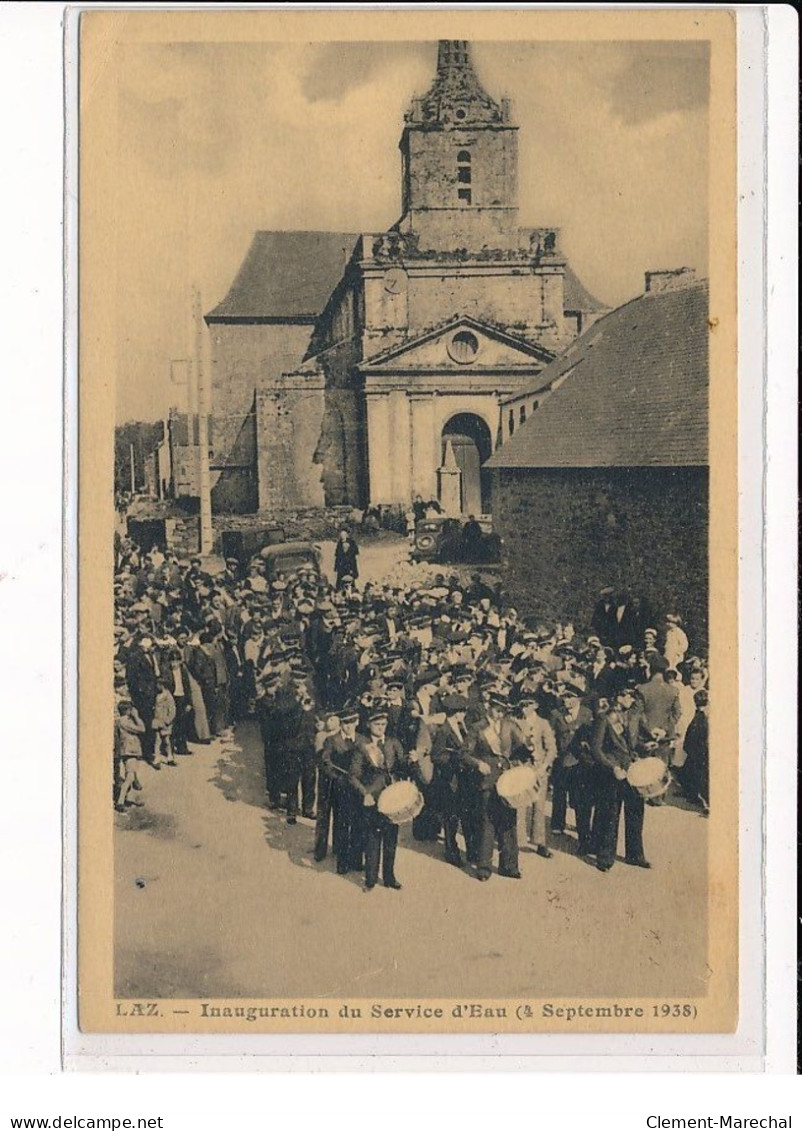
141, 675
377, 762
448, 740
613, 753
571, 777
298, 754
336, 796
491, 748
176, 680
602, 620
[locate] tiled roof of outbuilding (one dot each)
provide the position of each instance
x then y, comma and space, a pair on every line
634, 391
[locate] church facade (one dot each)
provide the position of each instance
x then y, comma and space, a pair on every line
356, 368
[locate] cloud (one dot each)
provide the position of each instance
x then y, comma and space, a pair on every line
338, 68
660, 82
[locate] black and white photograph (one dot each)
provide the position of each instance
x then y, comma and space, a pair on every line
410, 692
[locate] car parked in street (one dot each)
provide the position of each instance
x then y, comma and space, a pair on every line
442, 539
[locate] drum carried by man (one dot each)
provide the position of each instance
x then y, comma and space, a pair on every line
379, 762
490, 750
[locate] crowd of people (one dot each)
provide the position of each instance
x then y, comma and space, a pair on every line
434, 679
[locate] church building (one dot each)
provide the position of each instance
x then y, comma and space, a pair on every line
356, 368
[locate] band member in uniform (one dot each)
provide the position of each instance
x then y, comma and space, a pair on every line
490, 749
299, 755
573, 772
376, 763
336, 796
613, 753
269, 726
447, 743
542, 747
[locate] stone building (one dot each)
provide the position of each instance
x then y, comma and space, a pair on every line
371, 367
606, 483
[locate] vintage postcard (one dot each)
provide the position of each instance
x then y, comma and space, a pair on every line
408, 643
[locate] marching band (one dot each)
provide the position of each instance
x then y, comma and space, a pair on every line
427, 701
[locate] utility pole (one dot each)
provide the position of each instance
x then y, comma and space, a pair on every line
133, 470
204, 485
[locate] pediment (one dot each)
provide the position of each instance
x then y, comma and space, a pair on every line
461, 345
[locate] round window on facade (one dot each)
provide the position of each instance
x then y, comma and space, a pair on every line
463, 347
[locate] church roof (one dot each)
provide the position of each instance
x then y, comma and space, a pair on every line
577, 298
456, 97
634, 391
286, 277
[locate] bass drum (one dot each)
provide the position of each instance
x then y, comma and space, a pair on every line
400, 802
518, 786
650, 777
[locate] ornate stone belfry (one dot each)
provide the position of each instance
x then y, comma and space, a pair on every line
459, 152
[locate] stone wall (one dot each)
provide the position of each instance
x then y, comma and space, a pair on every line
245, 356
289, 418
569, 532
306, 524
431, 185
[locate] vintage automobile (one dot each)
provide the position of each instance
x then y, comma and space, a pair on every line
288, 557
246, 544
442, 539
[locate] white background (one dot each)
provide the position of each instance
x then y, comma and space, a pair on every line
31, 1082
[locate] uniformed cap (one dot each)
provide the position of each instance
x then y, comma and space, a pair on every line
453, 704
395, 685
607, 591
498, 699
349, 716
571, 689
377, 713
650, 632
625, 650
232, 561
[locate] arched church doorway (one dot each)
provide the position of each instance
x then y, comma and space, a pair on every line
465, 446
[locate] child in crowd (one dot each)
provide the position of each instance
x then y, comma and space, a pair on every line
127, 754
163, 720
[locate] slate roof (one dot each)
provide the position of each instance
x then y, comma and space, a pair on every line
286, 276
635, 391
577, 297
289, 276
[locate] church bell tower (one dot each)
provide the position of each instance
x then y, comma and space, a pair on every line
459, 153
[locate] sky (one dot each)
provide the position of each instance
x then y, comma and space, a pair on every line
215, 141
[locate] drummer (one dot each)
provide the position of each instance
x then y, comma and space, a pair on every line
448, 741
490, 749
612, 751
377, 762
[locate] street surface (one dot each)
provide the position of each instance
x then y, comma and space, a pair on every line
215, 896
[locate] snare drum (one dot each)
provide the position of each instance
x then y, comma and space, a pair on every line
518, 786
650, 777
400, 802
